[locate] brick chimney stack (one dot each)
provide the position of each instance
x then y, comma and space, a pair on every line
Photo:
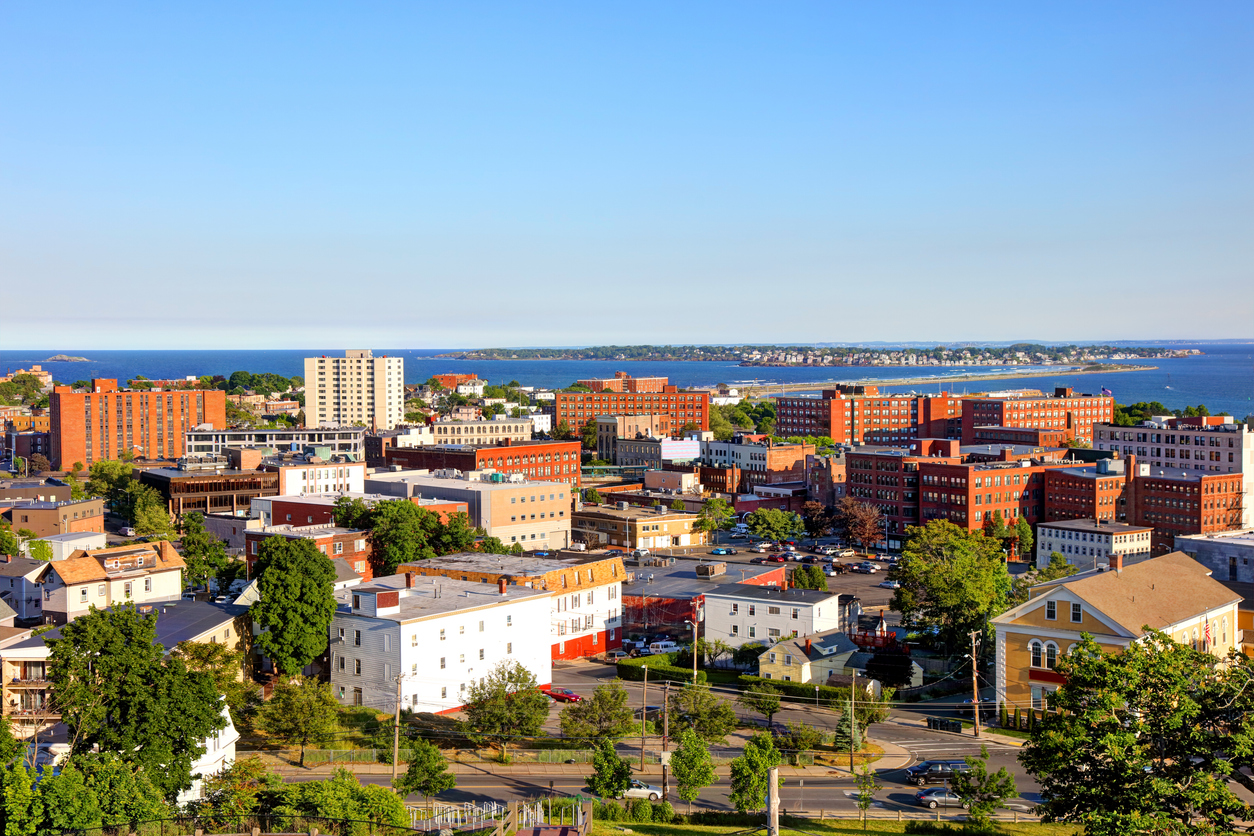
1116, 562
500, 585
409, 580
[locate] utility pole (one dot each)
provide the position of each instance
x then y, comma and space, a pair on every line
666, 734
975, 680
396, 729
853, 720
644, 713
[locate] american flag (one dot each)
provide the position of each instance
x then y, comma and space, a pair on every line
1107, 392
1208, 634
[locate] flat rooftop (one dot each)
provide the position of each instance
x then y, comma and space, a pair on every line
1240, 537
435, 595
426, 477
1101, 527
773, 593
634, 512
1091, 472
307, 532
680, 580
997, 448
520, 565
207, 472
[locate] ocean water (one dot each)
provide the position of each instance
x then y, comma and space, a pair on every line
1222, 378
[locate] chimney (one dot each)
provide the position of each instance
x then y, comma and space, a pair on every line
1116, 562
500, 585
409, 580
808, 643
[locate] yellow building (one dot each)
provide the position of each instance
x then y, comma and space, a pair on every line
1172, 593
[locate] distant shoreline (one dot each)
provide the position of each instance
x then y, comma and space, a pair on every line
761, 391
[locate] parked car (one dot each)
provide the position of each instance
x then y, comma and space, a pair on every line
723, 550
759, 560
639, 552
759, 548
810, 560
562, 695
614, 656
890, 584
939, 798
639, 789
222, 599
777, 558
935, 771
661, 647
866, 567
189, 596
739, 535
127, 531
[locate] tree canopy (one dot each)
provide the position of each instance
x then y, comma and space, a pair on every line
204, 554
295, 585
117, 690
505, 704
715, 514
774, 524
603, 716
402, 532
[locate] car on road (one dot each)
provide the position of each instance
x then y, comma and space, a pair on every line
723, 550
562, 695
889, 584
939, 797
935, 771
639, 552
866, 567
639, 789
739, 535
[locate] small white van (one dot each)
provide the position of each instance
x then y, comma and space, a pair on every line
663, 647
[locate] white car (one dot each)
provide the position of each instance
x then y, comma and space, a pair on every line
639, 789
890, 584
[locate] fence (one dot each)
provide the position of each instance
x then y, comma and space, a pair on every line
468, 816
247, 826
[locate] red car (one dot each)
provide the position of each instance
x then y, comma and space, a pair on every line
563, 695
777, 558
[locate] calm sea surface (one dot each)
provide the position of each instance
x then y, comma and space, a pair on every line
1223, 378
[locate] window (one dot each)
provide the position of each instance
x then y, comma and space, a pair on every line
509, 648
787, 658
796, 613
1051, 610
357, 638
341, 661
387, 643
126, 589
735, 609
147, 584
356, 667
481, 654
1077, 613
442, 663
461, 658
772, 658
1035, 647
443, 692
753, 610
480, 626
772, 632
1051, 655
82, 595
735, 629
100, 589
509, 621
441, 634
772, 610
753, 632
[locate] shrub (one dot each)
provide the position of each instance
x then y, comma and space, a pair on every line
931, 828
663, 813
640, 809
662, 668
609, 811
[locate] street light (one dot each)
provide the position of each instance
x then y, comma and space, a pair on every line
693, 622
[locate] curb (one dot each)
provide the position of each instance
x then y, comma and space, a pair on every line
985, 734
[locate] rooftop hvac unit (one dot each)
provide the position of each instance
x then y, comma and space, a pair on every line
622, 506
710, 570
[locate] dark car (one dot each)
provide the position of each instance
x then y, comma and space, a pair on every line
935, 772
939, 798
723, 550
758, 560
563, 695
810, 560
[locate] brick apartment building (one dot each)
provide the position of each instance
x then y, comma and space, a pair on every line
623, 382
28, 423
28, 443
1027, 436
683, 408
826, 478
1073, 415
968, 494
108, 422
1179, 502
538, 461
759, 460
351, 545
610, 428
860, 414
49, 518
1091, 492
452, 380
888, 477
482, 431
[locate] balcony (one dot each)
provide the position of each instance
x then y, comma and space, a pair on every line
28, 683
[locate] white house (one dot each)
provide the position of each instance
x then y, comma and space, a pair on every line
1088, 543
742, 613
64, 545
219, 754
437, 636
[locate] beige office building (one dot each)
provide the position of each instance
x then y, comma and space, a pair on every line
357, 389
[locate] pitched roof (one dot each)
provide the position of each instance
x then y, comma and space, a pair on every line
85, 567
19, 567
1153, 593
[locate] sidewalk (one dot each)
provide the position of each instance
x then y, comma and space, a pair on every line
985, 734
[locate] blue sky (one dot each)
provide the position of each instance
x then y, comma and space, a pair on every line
462, 175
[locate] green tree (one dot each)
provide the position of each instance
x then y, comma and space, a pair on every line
750, 773
562, 431
692, 766
611, 774
113, 683
761, 698
504, 705
237, 790
818, 519
592, 496
995, 527
20, 802
109, 481
399, 533
9, 543
68, 802
677, 505
891, 668
1148, 737
982, 792
427, 773
715, 514
10, 747
861, 520
603, 716
343, 796
296, 602
695, 707
1023, 533
1057, 568
867, 785
224, 664
40, 550
774, 524
39, 463
204, 554
588, 435
147, 512
951, 579
798, 738
300, 712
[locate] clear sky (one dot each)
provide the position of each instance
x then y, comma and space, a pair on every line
423, 174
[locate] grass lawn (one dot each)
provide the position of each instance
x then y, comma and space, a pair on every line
874, 828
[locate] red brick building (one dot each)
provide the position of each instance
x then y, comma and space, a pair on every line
350, 544
967, 494
1064, 411
623, 382
1092, 492
579, 408
888, 478
452, 380
319, 509
107, 422
860, 414
826, 478
1179, 502
539, 461
1028, 436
